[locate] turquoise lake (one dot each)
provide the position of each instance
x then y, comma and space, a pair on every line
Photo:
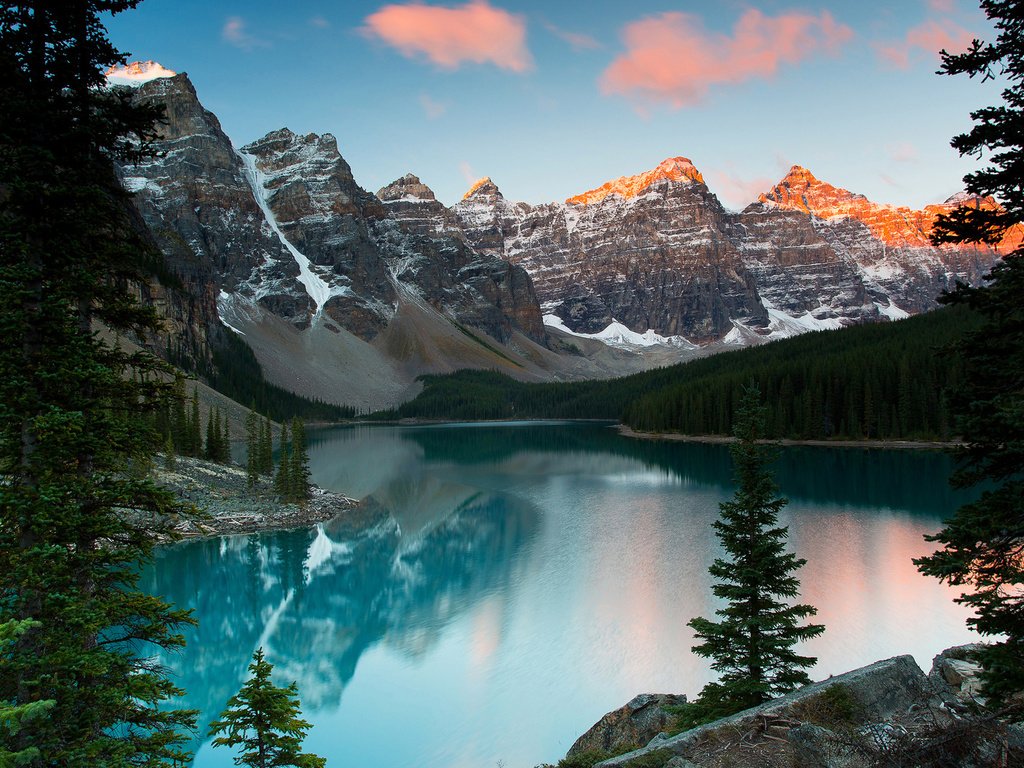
506, 585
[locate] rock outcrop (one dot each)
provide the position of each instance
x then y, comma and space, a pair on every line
657, 251
852, 720
639, 721
279, 242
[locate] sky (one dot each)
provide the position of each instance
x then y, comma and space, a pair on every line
551, 98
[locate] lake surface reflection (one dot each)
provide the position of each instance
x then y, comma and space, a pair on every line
506, 585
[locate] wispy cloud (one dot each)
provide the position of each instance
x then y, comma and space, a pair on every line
578, 41
468, 173
941, 6
319, 22
671, 58
475, 32
234, 32
930, 36
431, 108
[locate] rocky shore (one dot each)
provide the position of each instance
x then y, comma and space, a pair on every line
222, 493
889, 713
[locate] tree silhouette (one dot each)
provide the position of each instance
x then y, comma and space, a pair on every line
982, 544
265, 720
752, 643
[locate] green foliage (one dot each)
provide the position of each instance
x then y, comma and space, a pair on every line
266, 722
266, 448
834, 708
282, 480
751, 647
218, 445
13, 718
982, 543
252, 444
77, 512
883, 381
298, 468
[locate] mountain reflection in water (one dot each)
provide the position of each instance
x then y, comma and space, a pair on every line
501, 587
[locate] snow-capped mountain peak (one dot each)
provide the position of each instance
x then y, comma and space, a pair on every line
675, 169
137, 72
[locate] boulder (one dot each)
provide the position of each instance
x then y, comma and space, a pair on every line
634, 725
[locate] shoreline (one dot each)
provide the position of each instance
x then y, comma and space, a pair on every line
918, 445
222, 494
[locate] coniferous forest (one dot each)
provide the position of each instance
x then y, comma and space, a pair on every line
884, 381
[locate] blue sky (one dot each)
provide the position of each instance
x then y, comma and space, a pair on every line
553, 98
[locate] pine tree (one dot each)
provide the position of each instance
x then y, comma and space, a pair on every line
73, 420
982, 543
170, 458
212, 437
179, 419
282, 480
194, 439
252, 445
298, 470
225, 439
266, 448
752, 644
265, 720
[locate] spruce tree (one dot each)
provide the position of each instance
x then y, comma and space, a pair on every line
252, 445
179, 419
73, 418
266, 448
282, 480
982, 543
752, 644
212, 437
195, 439
298, 470
266, 721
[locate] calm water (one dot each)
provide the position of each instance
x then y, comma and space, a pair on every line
508, 585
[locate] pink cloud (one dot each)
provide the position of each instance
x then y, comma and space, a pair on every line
903, 152
941, 6
672, 58
475, 32
930, 36
578, 41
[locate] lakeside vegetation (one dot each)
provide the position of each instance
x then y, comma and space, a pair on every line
889, 381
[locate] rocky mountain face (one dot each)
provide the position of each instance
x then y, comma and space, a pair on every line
349, 296
657, 251
279, 242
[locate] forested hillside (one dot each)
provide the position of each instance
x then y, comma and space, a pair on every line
888, 381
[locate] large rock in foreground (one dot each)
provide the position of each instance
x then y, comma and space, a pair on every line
643, 718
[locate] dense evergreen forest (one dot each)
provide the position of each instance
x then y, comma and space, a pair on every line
881, 381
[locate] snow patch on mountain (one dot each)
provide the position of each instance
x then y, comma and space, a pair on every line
316, 287
618, 335
136, 73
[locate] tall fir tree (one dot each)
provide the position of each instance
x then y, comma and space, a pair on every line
266, 448
282, 480
266, 721
195, 427
212, 436
298, 470
73, 419
751, 645
982, 543
252, 446
14, 718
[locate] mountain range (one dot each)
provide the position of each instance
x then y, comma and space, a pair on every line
349, 296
